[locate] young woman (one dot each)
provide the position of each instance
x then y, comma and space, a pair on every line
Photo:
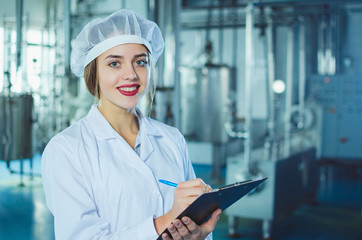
100, 175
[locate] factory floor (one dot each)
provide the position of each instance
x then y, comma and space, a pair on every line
336, 214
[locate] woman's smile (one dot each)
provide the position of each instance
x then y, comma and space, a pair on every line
129, 90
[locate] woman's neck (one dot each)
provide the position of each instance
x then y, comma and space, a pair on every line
123, 121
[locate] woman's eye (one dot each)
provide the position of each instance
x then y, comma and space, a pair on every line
141, 62
114, 64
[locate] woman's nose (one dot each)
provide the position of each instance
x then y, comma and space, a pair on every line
129, 72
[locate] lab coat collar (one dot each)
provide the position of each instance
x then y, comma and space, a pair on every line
146, 125
103, 130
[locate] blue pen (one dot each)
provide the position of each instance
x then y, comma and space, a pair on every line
168, 183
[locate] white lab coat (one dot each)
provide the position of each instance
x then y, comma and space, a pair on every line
97, 187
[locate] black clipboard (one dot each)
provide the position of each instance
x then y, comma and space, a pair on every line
202, 208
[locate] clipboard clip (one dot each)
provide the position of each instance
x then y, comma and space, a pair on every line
231, 185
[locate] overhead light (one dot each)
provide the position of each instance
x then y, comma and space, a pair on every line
278, 86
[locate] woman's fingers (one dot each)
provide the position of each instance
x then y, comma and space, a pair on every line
187, 229
209, 226
173, 231
192, 188
165, 236
191, 225
195, 183
178, 231
182, 229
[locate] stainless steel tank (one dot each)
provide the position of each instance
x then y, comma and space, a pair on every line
207, 100
16, 127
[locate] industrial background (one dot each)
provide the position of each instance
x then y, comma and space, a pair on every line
268, 88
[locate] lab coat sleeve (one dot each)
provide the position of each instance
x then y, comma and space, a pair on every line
69, 197
189, 170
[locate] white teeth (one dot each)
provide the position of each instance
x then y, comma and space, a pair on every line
128, 89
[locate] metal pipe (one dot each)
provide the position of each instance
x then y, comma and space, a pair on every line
209, 17
7, 56
249, 67
8, 136
168, 65
282, 20
322, 25
289, 90
302, 74
160, 20
329, 47
52, 107
332, 47
170, 43
221, 35
176, 9
295, 3
67, 27
19, 31
270, 81
235, 134
151, 10
68, 84
235, 35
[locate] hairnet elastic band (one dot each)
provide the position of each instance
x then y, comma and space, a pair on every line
112, 42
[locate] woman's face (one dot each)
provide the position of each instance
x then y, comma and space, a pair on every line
123, 75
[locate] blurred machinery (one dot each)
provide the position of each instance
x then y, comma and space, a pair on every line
293, 142
16, 129
16, 108
31, 86
292, 181
288, 150
292, 173
207, 94
207, 102
209, 90
340, 98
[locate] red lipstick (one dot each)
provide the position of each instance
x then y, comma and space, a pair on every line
129, 90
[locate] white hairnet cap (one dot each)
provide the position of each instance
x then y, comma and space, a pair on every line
101, 34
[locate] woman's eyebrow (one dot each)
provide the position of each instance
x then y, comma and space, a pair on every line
113, 56
140, 55
121, 57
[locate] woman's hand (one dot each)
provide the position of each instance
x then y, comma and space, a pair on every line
186, 193
187, 229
